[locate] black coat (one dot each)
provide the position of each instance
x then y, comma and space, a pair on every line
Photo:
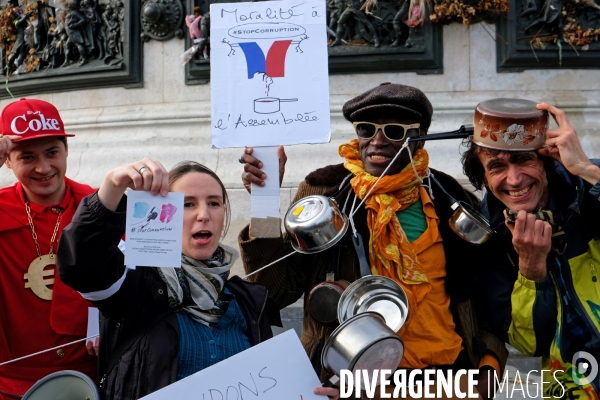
89, 261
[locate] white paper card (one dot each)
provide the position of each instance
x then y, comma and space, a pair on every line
277, 369
153, 229
265, 199
93, 325
269, 73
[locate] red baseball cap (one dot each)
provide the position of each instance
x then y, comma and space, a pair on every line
31, 119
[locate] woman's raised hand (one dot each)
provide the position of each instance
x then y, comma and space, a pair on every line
146, 174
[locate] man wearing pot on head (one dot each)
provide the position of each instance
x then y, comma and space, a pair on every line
37, 310
405, 233
541, 277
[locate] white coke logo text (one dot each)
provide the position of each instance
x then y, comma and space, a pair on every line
36, 123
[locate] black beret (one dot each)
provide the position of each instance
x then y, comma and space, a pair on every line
390, 100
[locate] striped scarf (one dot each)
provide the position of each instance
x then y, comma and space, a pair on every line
199, 284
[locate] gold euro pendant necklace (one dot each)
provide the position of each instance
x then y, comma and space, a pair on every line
35, 274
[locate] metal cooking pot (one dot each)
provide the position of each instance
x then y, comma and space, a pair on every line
469, 224
362, 342
323, 299
375, 293
269, 105
314, 224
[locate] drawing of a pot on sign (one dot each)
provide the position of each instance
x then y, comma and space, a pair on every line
269, 105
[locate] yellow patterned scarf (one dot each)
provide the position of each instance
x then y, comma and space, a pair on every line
390, 252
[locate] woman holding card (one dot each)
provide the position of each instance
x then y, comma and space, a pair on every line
159, 325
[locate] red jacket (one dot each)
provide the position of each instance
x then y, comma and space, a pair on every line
28, 323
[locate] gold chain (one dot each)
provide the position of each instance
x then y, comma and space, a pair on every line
34, 235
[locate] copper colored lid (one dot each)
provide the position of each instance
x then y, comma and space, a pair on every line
510, 125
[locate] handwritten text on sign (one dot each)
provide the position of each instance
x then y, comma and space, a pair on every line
269, 75
277, 369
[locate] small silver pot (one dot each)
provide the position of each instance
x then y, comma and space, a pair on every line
314, 224
469, 224
362, 342
375, 293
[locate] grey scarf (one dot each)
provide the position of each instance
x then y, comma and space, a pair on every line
201, 283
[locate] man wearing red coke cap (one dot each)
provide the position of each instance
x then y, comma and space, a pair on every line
37, 311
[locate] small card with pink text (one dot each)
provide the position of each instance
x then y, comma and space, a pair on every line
153, 229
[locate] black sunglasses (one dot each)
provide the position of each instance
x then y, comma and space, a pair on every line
394, 132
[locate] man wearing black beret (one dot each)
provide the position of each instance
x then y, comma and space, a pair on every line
404, 226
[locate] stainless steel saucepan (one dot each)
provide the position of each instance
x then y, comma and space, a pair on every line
375, 293
469, 224
314, 224
362, 342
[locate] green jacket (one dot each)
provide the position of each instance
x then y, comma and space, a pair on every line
560, 316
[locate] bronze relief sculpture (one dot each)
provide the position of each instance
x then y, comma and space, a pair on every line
36, 36
551, 34
61, 45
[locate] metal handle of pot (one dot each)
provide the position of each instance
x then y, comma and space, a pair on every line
333, 382
360, 252
450, 197
463, 132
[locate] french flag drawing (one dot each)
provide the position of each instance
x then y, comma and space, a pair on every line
273, 65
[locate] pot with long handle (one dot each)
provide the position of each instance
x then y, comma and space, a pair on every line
269, 105
468, 223
463, 132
